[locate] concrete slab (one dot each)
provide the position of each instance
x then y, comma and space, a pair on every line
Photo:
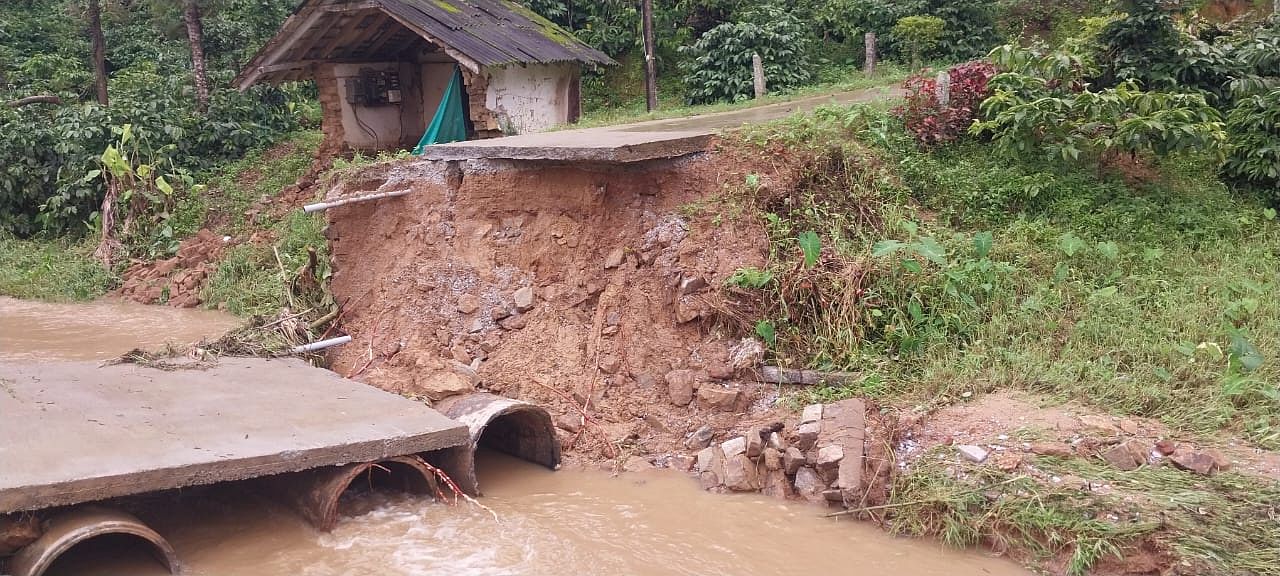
77, 432
641, 141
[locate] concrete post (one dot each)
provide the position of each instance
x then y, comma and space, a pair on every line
869, 67
943, 89
757, 73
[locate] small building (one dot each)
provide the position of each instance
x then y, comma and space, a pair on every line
387, 70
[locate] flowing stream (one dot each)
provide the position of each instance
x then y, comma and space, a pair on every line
571, 521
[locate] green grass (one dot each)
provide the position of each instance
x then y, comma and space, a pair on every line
248, 280
671, 105
1154, 297
57, 270
235, 187
1224, 524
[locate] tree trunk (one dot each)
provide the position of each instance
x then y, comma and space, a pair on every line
99, 51
195, 36
650, 61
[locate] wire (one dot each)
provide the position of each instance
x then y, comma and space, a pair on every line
355, 111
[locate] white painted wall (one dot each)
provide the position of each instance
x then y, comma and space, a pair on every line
383, 121
530, 98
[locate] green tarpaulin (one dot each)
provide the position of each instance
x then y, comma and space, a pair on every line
449, 123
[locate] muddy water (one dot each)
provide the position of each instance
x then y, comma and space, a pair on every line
549, 523
552, 523
98, 330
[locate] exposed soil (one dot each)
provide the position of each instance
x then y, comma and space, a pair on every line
1014, 423
554, 285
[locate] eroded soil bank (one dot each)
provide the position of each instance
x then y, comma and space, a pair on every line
599, 292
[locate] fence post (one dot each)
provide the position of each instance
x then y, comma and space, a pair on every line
943, 90
869, 67
757, 74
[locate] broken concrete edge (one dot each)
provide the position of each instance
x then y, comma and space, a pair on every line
66, 530
667, 148
532, 437
824, 462
778, 375
30, 498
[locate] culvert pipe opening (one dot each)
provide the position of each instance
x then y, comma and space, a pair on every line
90, 537
504, 425
325, 495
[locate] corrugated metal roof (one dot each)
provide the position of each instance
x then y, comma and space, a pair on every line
493, 32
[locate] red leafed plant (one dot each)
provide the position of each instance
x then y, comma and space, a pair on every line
930, 121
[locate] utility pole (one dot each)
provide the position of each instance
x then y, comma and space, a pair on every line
869, 66
650, 62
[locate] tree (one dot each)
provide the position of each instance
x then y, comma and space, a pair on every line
99, 51
919, 34
195, 36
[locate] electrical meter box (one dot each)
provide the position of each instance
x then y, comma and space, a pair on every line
374, 88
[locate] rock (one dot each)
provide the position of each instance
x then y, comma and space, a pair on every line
656, 424
772, 459
701, 438
1220, 460
807, 435
517, 322
709, 480
1200, 463
708, 458
476, 327
972, 453
833, 495
682, 462
465, 371
498, 313
776, 442
1166, 447
441, 385
808, 485
468, 304
689, 285
460, 354
1099, 424
755, 443
792, 460
570, 423
746, 354
614, 258
609, 364
828, 462
637, 464
811, 413
776, 485
720, 371
734, 446
680, 386
740, 474
718, 398
524, 299
16, 532
1128, 455
1055, 449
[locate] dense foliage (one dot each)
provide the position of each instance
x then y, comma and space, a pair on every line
51, 178
719, 64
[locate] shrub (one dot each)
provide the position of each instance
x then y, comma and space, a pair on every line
718, 65
919, 34
1040, 104
1254, 125
932, 122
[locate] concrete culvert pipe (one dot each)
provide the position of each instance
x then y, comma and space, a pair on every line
317, 493
65, 531
513, 427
